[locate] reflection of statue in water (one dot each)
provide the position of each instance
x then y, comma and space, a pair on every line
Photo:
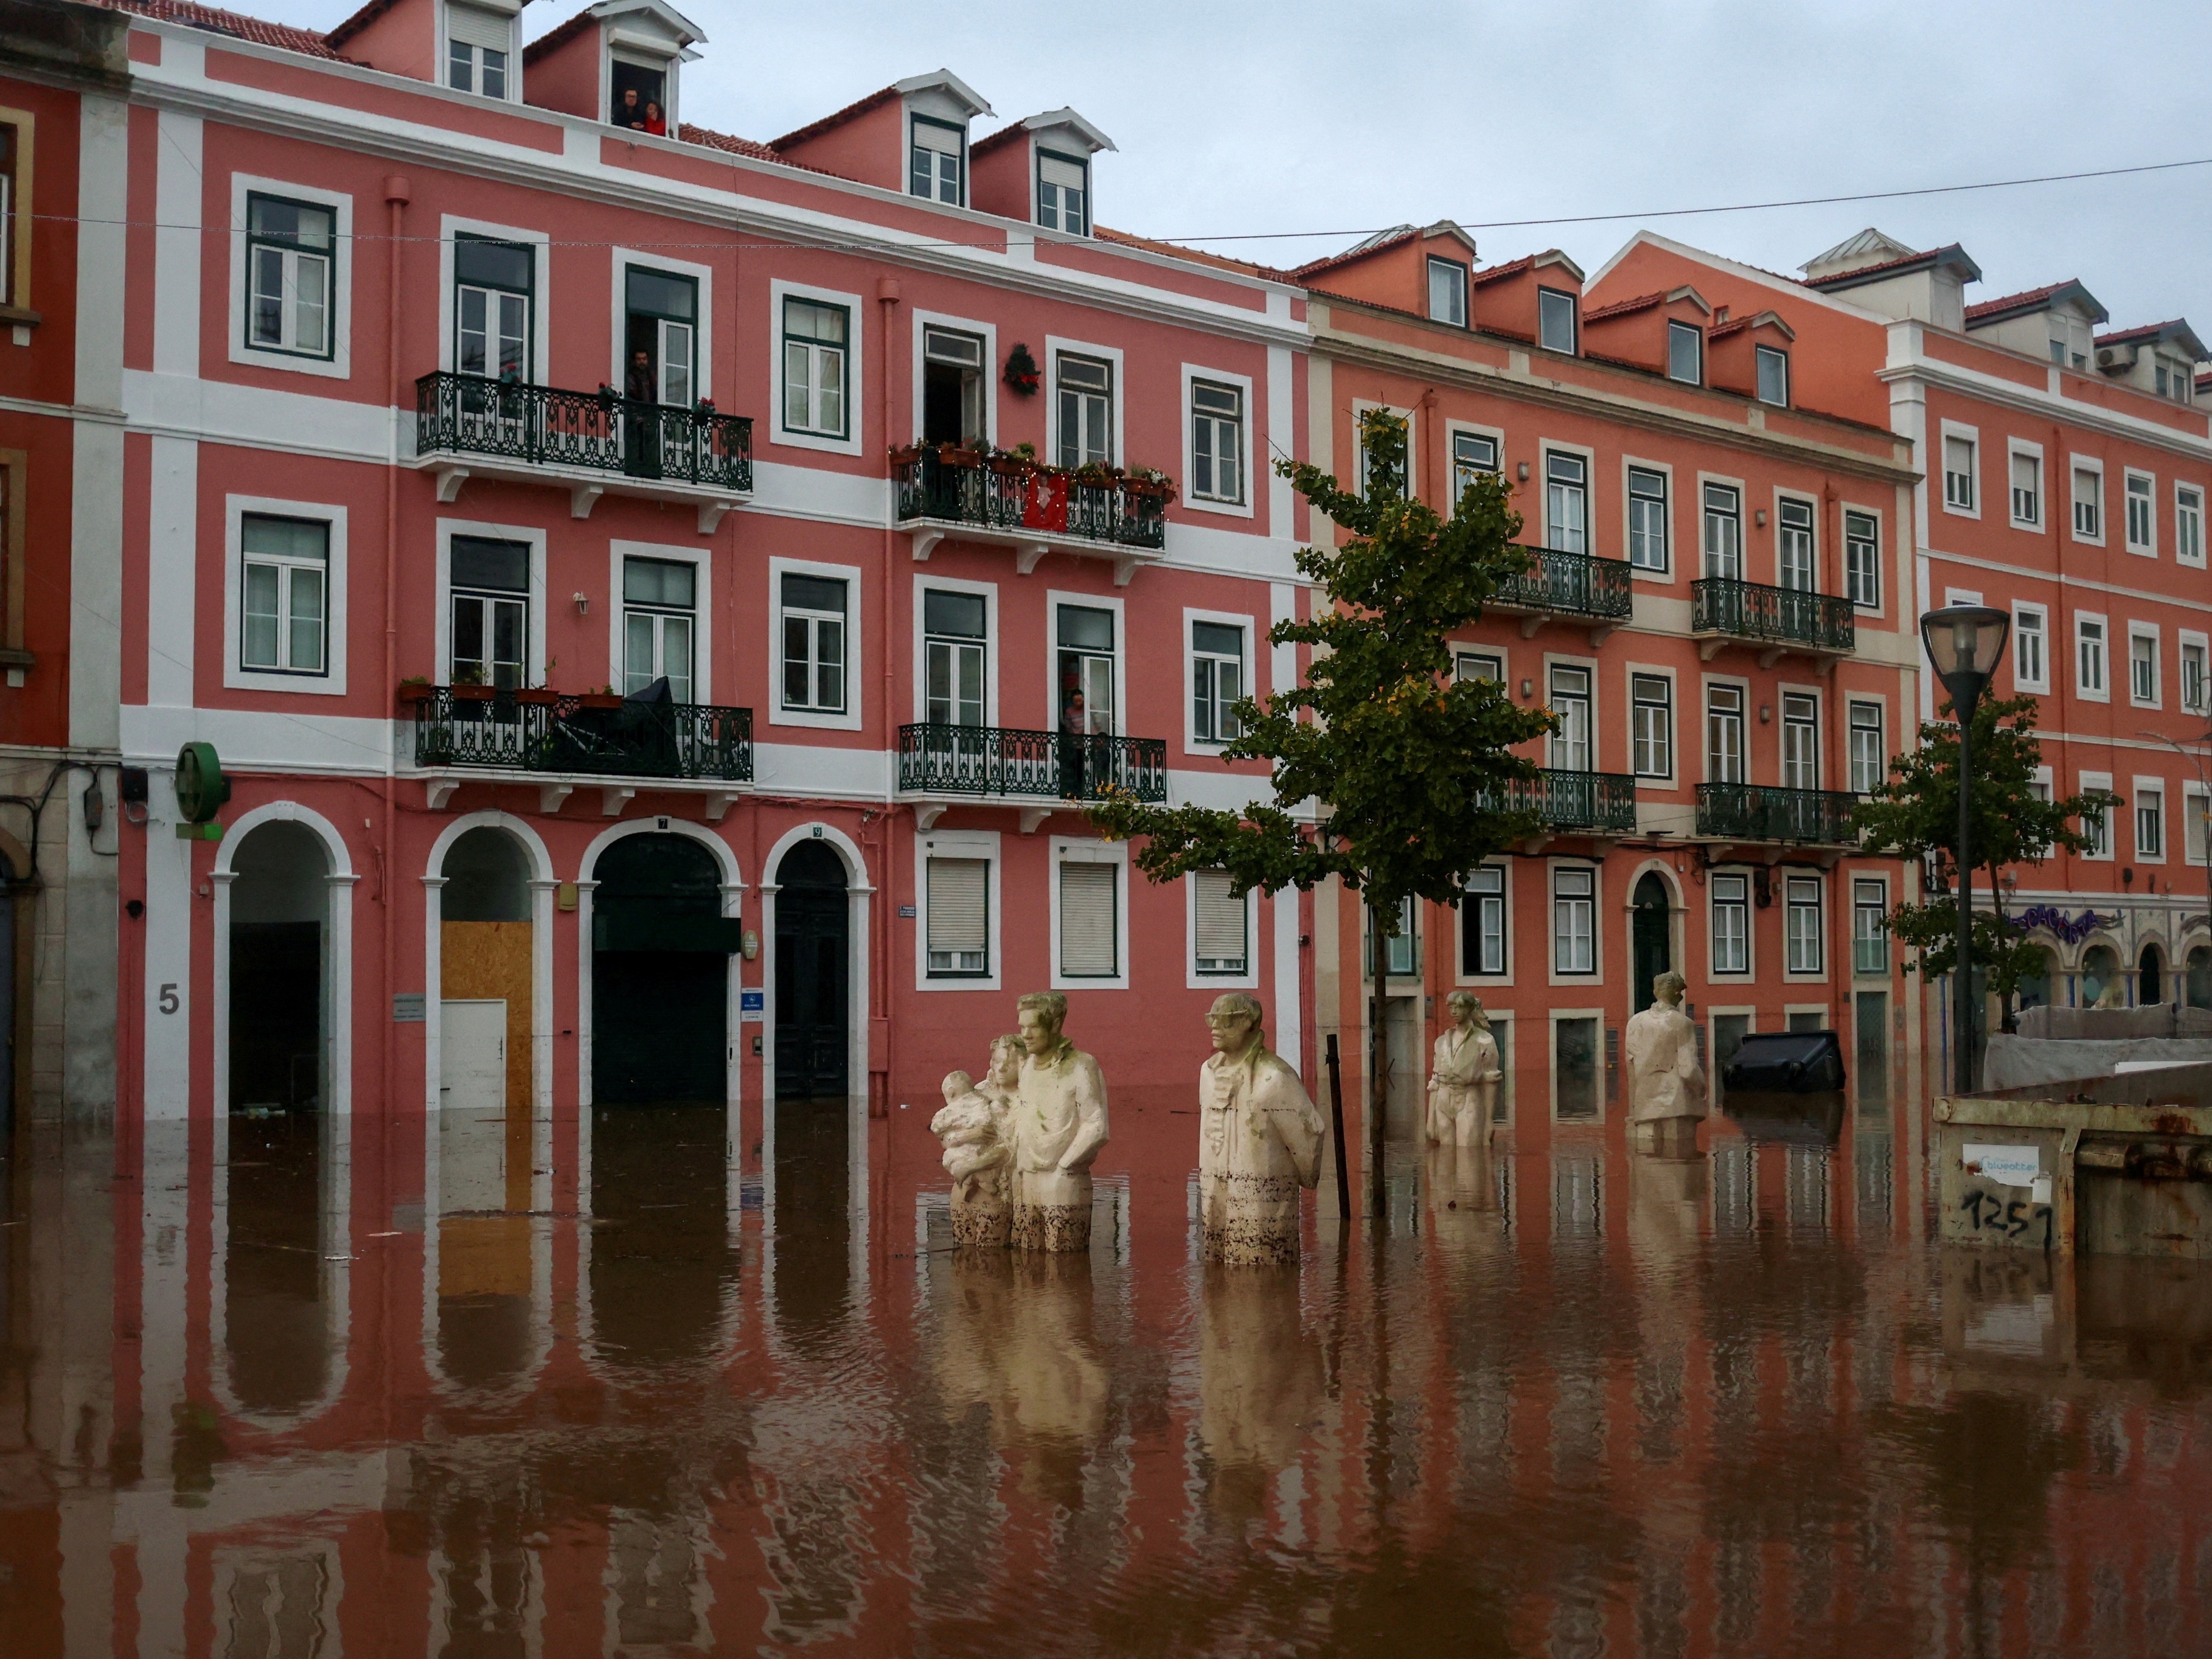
1666, 1085
1060, 1124
1464, 1075
1259, 1140
1462, 1194
974, 1126
1259, 1382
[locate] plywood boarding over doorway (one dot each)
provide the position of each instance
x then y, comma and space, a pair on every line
493, 959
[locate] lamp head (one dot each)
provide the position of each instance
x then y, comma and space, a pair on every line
1963, 643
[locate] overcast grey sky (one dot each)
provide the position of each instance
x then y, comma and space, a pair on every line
1234, 118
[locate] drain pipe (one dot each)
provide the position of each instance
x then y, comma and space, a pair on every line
887, 297
395, 196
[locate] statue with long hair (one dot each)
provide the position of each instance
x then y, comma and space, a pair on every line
1259, 1140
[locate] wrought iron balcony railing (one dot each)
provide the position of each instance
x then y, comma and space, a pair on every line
543, 426
1015, 499
1785, 617
936, 759
1758, 811
1571, 584
1603, 803
635, 739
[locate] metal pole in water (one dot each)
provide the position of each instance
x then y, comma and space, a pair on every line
1336, 1115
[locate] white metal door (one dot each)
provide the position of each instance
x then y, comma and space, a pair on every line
472, 1098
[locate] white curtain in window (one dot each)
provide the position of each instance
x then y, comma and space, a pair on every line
1087, 945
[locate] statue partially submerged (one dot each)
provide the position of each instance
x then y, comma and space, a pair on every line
1259, 1140
1666, 1085
976, 1127
1463, 1076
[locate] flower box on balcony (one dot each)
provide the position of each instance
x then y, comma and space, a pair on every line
537, 696
905, 454
599, 700
1151, 489
475, 693
950, 456
411, 695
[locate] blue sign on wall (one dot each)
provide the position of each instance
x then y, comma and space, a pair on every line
752, 1004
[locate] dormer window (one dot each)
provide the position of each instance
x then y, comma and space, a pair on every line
639, 97
1773, 375
1555, 320
937, 161
1448, 292
1685, 353
1063, 192
477, 43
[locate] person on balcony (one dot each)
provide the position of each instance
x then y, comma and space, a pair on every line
1074, 727
642, 417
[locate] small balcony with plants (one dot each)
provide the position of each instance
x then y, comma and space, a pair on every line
941, 764
1576, 588
1013, 499
567, 740
1758, 812
1774, 621
589, 443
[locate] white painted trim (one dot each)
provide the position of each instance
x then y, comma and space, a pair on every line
1782, 877
862, 892
2076, 465
2083, 783
2104, 693
856, 380
1749, 976
957, 844
2141, 550
2140, 630
1671, 779
1597, 1119
1070, 849
2138, 784
1459, 976
1193, 979
989, 593
1249, 629
704, 621
2039, 684
703, 354
541, 298
918, 326
1053, 599
1055, 346
1668, 577
2041, 523
443, 623
1941, 471
1554, 975
855, 682
335, 611
1188, 496
339, 365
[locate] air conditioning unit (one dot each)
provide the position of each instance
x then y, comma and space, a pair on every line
2116, 357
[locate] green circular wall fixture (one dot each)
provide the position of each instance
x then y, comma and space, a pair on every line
201, 787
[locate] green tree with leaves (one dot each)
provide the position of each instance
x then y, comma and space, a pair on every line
1388, 772
1915, 813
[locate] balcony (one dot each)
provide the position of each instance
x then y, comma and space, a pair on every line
1756, 811
1585, 803
1032, 508
1571, 587
1780, 619
999, 764
587, 442
614, 744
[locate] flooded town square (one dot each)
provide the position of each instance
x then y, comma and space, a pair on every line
1564, 1399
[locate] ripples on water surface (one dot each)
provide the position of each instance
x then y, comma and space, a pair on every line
1566, 1402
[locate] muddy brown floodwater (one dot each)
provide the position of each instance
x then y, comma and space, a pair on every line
1557, 1401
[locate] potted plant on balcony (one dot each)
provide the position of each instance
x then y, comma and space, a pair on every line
536, 697
415, 691
468, 687
1148, 483
905, 454
959, 455
605, 698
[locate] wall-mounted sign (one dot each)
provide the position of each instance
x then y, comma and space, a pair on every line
752, 1006
407, 1007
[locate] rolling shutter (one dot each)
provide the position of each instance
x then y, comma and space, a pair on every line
1087, 894
474, 26
1221, 947
959, 916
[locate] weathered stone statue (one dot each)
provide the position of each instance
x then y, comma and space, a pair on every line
974, 1126
1259, 1140
1463, 1076
1060, 1124
1666, 1085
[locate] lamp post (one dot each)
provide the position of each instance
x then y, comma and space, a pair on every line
1963, 643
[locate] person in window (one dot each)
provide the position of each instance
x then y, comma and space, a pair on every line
630, 113
1073, 723
642, 417
655, 121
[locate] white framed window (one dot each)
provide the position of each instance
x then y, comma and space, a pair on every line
479, 50
956, 648
816, 368
814, 620
1723, 521
1801, 741
1223, 928
291, 268
1083, 399
937, 159
1796, 562
1479, 666
1862, 560
2196, 809
2096, 826
957, 935
1724, 748
1730, 905
1555, 320
1573, 919
1484, 944
1773, 367
661, 638
491, 603
2189, 525
2143, 665
1962, 470
1869, 757
284, 596
1685, 353
1063, 192
1448, 292
2089, 658
2030, 642
1651, 725
1217, 413
1401, 955
1572, 748
1648, 542
1220, 651
1870, 929
955, 382
2088, 499
1084, 674
663, 309
1089, 915
1361, 469
2192, 651
2141, 489
1802, 933
1474, 454
2026, 464
2150, 820
1566, 500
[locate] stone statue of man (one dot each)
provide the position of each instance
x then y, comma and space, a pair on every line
1259, 1140
1666, 1085
1463, 1075
1059, 1125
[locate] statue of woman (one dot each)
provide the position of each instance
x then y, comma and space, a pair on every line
1463, 1075
1666, 1085
1259, 1140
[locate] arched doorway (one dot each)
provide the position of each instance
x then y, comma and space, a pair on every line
2150, 976
813, 975
1651, 937
661, 964
2200, 977
2100, 969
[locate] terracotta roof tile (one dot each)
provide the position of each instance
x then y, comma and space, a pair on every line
236, 24
859, 107
360, 21
1197, 257
708, 138
1622, 307
1929, 257
2025, 300
1374, 245
2148, 331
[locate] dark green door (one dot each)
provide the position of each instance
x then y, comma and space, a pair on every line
812, 986
1651, 938
660, 974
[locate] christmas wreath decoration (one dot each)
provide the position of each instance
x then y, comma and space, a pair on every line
1021, 371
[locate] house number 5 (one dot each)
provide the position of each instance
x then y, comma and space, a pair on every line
169, 1004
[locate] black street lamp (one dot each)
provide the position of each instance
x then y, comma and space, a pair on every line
1964, 643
